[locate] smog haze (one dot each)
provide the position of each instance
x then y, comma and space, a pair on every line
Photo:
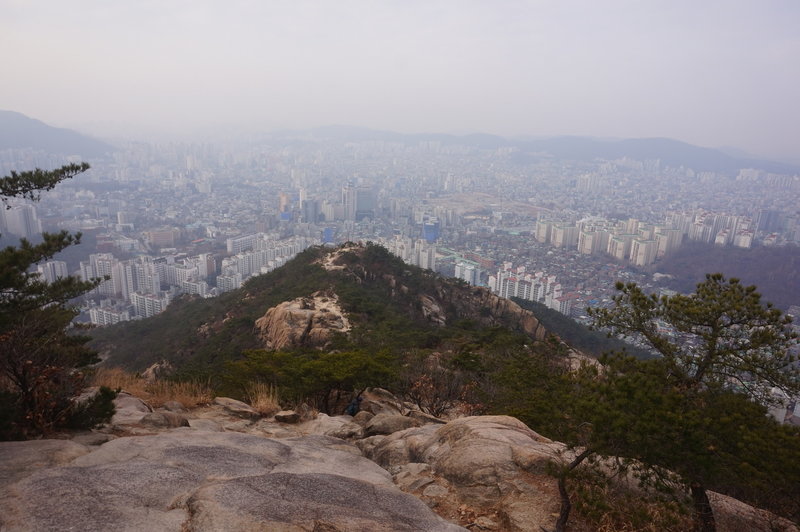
717, 73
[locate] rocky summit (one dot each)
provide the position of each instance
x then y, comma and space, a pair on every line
302, 322
220, 468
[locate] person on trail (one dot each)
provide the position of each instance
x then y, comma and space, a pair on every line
354, 406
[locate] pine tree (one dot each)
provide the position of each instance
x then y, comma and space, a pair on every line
699, 409
38, 352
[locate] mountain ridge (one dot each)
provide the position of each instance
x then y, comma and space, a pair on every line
672, 152
18, 131
388, 303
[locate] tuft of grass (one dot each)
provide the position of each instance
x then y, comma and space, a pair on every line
262, 397
190, 393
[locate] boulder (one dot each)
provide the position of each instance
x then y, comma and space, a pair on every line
379, 401
129, 409
287, 416
237, 408
336, 426
363, 417
400, 448
174, 406
374, 407
735, 516
159, 370
423, 418
388, 424
413, 476
368, 445
164, 420
483, 461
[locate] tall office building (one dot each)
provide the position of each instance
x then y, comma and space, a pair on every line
310, 211
366, 203
430, 229
349, 202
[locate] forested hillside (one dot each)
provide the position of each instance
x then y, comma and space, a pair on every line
775, 270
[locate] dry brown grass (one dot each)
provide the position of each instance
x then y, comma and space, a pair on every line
609, 506
262, 397
189, 393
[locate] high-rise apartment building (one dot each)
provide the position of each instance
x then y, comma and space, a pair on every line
52, 270
564, 236
21, 220
643, 252
543, 228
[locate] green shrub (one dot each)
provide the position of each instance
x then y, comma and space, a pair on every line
95, 411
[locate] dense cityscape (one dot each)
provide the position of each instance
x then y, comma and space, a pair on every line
162, 220
443, 266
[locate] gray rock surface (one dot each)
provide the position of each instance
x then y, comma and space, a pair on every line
18, 459
486, 473
186, 479
423, 418
310, 501
479, 461
388, 424
174, 406
363, 417
164, 420
336, 426
287, 416
237, 408
129, 409
205, 424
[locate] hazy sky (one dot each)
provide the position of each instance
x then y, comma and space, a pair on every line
710, 72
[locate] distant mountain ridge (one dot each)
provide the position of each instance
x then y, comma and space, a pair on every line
671, 152
18, 131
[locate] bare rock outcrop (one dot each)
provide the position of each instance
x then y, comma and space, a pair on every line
206, 481
303, 322
490, 309
129, 409
237, 408
158, 370
733, 515
226, 472
484, 462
